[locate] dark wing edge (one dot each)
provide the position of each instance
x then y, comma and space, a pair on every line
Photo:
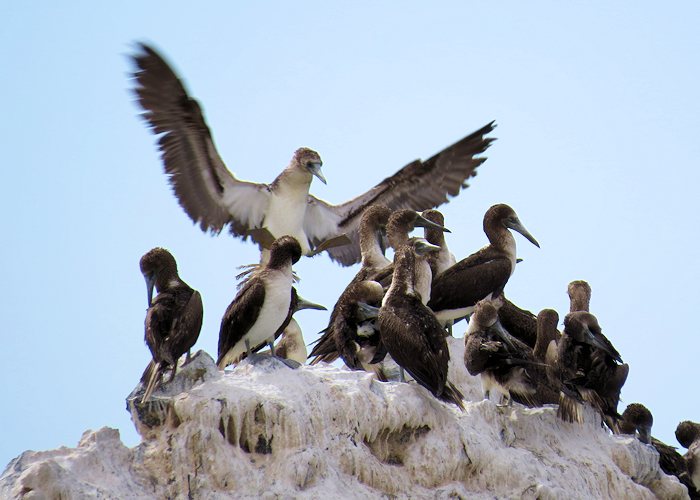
240, 316
208, 192
420, 185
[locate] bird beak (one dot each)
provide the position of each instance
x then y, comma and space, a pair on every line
423, 246
591, 339
645, 435
315, 169
366, 311
150, 283
302, 303
380, 240
423, 222
503, 334
518, 226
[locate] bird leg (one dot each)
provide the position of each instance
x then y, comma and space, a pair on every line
188, 358
172, 375
247, 348
271, 343
402, 377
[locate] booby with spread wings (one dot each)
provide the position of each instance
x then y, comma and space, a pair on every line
214, 198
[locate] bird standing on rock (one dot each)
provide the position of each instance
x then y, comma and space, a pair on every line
262, 306
409, 330
173, 319
214, 198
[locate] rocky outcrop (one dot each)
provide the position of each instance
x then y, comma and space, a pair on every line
268, 431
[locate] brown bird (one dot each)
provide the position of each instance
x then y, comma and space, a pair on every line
372, 234
579, 296
638, 421
409, 330
483, 274
214, 198
588, 367
173, 319
688, 435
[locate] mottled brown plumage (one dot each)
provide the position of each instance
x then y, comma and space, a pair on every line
174, 317
688, 435
589, 366
411, 333
520, 323
579, 296
213, 198
372, 228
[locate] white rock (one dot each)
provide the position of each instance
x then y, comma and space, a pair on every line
267, 431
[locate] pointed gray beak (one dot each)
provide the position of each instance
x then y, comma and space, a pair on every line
380, 240
503, 334
423, 222
591, 339
366, 311
150, 283
518, 226
302, 303
315, 169
423, 246
645, 435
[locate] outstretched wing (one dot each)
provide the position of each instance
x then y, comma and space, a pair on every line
420, 185
205, 188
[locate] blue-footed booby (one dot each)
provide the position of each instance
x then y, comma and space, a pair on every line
173, 319
261, 308
409, 330
483, 274
214, 198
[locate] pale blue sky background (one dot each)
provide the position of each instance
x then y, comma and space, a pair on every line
598, 115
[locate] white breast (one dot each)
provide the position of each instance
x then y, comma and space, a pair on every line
285, 215
278, 290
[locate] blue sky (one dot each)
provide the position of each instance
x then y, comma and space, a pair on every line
597, 111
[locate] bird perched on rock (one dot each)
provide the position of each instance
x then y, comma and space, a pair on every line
214, 198
262, 306
504, 363
688, 435
291, 341
409, 330
590, 367
637, 420
483, 274
356, 336
173, 319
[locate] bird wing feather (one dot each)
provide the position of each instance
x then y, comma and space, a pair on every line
204, 187
420, 185
241, 315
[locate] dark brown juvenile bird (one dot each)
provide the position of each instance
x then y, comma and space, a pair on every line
409, 330
173, 319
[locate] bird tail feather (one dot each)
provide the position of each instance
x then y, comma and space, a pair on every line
570, 410
153, 379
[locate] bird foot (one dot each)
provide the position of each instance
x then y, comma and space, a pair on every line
265, 360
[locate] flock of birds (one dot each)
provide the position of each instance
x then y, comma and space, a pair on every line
393, 316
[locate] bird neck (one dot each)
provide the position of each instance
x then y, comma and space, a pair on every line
403, 279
